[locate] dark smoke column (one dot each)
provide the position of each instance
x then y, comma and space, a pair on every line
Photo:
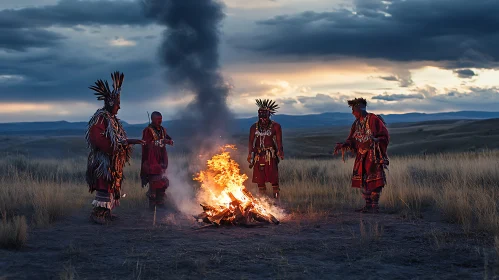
190, 53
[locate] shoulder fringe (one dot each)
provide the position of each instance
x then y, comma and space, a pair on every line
101, 165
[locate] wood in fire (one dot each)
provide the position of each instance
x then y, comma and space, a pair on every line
237, 213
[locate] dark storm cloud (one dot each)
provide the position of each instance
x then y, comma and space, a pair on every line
21, 40
45, 66
22, 29
465, 73
54, 77
74, 12
456, 33
398, 97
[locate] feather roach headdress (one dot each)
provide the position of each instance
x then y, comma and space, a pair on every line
357, 102
267, 105
103, 92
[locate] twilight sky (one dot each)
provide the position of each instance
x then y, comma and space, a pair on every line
309, 55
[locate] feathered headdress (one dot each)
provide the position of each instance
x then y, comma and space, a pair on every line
103, 92
267, 105
357, 102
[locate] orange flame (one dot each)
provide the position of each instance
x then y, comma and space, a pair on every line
222, 184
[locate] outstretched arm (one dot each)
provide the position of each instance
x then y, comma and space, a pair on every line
135, 142
349, 143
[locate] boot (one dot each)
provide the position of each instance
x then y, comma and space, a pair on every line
152, 201
375, 202
367, 207
101, 215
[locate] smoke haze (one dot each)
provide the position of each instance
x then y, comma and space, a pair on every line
189, 52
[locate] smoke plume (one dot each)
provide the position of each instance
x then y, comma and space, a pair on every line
189, 52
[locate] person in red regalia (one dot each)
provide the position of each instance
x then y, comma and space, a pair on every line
265, 148
368, 140
109, 148
155, 160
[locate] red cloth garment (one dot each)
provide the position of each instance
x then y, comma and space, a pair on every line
154, 158
97, 138
266, 144
103, 143
371, 158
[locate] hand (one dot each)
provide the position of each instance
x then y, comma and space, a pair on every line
170, 142
280, 155
338, 147
249, 158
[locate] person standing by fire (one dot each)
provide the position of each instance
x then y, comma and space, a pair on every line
265, 148
109, 148
368, 140
155, 160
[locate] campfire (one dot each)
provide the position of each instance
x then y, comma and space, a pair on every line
225, 200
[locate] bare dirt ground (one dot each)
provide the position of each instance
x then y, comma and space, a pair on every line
333, 245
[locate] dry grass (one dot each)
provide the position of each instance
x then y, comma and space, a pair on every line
13, 232
370, 231
462, 187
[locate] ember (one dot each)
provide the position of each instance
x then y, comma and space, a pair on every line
225, 200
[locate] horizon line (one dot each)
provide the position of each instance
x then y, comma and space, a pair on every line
243, 118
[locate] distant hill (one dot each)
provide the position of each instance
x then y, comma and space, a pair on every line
428, 137
242, 125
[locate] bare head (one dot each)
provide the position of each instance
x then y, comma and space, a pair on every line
156, 119
358, 106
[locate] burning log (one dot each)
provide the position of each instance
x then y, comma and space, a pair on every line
226, 200
237, 213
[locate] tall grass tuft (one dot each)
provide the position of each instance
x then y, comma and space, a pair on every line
13, 232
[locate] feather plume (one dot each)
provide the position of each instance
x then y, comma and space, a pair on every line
101, 89
267, 104
117, 80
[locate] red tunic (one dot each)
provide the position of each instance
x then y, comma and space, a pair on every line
266, 143
103, 143
154, 158
370, 160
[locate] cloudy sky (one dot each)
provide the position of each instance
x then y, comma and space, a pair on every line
310, 55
